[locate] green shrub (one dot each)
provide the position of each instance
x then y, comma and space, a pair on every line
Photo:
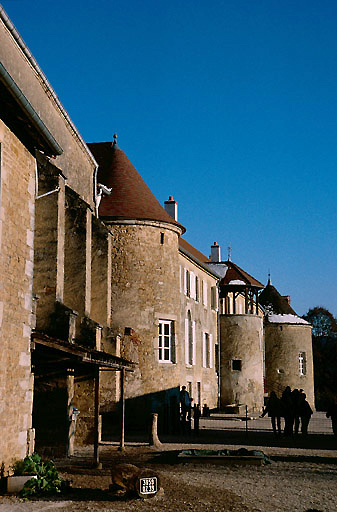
47, 481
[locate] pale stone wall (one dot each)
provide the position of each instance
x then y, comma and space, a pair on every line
16, 278
283, 343
200, 377
75, 160
242, 340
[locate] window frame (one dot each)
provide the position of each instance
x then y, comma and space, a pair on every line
166, 341
302, 363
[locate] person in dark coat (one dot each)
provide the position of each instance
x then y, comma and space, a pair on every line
273, 408
305, 413
185, 407
288, 411
332, 413
295, 395
196, 418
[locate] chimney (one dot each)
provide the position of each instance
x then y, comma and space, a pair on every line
215, 253
171, 207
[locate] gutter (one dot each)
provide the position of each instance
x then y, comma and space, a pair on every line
30, 111
7, 22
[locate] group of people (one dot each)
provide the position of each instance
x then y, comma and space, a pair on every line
293, 407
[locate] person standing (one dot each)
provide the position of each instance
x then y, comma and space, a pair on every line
288, 411
185, 407
273, 408
196, 418
305, 413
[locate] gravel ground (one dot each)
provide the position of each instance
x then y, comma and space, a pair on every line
301, 477
281, 486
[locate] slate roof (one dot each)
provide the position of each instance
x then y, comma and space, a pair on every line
130, 197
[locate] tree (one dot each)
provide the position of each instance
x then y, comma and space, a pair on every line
324, 325
324, 343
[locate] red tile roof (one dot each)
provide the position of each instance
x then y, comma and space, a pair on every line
235, 273
193, 251
130, 197
273, 301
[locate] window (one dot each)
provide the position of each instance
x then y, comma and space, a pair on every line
302, 363
198, 393
207, 351
189, 388
187, 282
197, 298
204, 293
189, 340
166, 341
192, 288
214, 302
162, 238
236, 365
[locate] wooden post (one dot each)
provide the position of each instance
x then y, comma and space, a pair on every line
70, 407
96, 420
121, 444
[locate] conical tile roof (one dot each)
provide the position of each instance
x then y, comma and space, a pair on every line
273, 301
130, 197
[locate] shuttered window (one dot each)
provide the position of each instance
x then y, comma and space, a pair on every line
166, 345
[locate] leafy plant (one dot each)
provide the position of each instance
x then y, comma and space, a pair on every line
47, 481
27, 466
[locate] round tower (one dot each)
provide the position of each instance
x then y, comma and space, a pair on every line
241, 339
288, 346
145, 298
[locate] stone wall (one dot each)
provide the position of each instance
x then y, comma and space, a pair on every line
145, 288
283, 343
241, 361
49, 241
16, 277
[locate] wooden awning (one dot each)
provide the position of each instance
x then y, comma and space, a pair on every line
50, 354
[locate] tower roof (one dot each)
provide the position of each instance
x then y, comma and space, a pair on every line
130, 197
272, 300
236, 276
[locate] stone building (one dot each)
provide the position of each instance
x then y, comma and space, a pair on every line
241, 336
288, 346
54, 298
98, 288
161, 295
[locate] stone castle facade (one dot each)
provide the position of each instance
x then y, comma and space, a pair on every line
102, 296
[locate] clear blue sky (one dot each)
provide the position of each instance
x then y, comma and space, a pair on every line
230, 106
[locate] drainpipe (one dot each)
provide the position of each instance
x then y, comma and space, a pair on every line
7, 22
95, 190
219, 346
